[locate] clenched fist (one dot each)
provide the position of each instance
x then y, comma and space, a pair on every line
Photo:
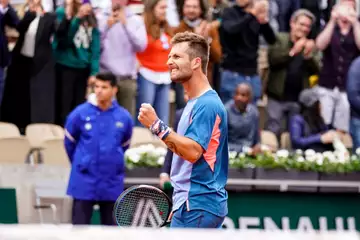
147, 115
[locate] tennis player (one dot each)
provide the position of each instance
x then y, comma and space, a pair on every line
200, 162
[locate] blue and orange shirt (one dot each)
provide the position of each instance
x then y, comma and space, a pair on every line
201, 185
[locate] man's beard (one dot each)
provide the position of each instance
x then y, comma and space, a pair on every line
181, 78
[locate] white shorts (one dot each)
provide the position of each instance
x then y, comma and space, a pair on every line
335, 108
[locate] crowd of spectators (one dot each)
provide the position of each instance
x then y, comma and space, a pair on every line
259, 49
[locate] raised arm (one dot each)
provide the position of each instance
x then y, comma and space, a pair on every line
324, 38
197, 137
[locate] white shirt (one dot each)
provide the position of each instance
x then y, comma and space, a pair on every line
28, 48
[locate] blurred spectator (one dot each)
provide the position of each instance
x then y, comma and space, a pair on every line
286, 9
32, 68
172, 15
314, 6
263, 63
126, 29
77, 53
308, 129
240, 29
340, 42
154, 77
195, 20
165, 172
353, 93
97, 134
9, 18
217, 8
49, 5
243, 121
292, 60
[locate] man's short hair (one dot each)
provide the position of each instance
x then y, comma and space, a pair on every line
303, 12
198, 47
107, 77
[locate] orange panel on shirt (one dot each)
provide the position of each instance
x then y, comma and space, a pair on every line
210, 154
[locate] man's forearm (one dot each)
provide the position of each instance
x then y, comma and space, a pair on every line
184, 147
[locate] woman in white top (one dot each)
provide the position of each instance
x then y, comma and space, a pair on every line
29, 95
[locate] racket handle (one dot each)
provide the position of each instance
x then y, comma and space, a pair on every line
167, 186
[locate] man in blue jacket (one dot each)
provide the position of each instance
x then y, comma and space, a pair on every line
353, 94
97, 133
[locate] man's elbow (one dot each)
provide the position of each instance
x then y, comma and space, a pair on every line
194, 155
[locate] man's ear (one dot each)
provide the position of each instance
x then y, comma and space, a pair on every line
115, 90
196, 63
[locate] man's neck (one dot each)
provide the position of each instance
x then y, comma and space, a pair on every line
196, 86
104, 105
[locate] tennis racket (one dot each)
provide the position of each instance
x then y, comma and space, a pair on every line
142, 206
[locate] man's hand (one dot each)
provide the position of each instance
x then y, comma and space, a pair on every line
163, 179
147, 115
298, 47
309, 48
328, 137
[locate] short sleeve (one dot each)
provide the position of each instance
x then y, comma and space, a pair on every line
203, 121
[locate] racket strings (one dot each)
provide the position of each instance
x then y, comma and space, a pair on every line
142, 207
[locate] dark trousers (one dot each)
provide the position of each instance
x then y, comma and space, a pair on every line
82, 211
70, 90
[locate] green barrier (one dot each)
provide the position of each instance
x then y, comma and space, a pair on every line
8, 208
260, 210
303, 211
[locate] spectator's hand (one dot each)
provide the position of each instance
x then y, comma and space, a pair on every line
262, 12
84, 10
147, 115
215, 24
163, 179
202, 29
309, 48
351, 17
328, 137
111, 21
255, 150
298, 47
334, 13
121, 17
91, 80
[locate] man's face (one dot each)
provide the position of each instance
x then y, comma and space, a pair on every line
242, 96
179, 63
192, 9
104, 91
301, 27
